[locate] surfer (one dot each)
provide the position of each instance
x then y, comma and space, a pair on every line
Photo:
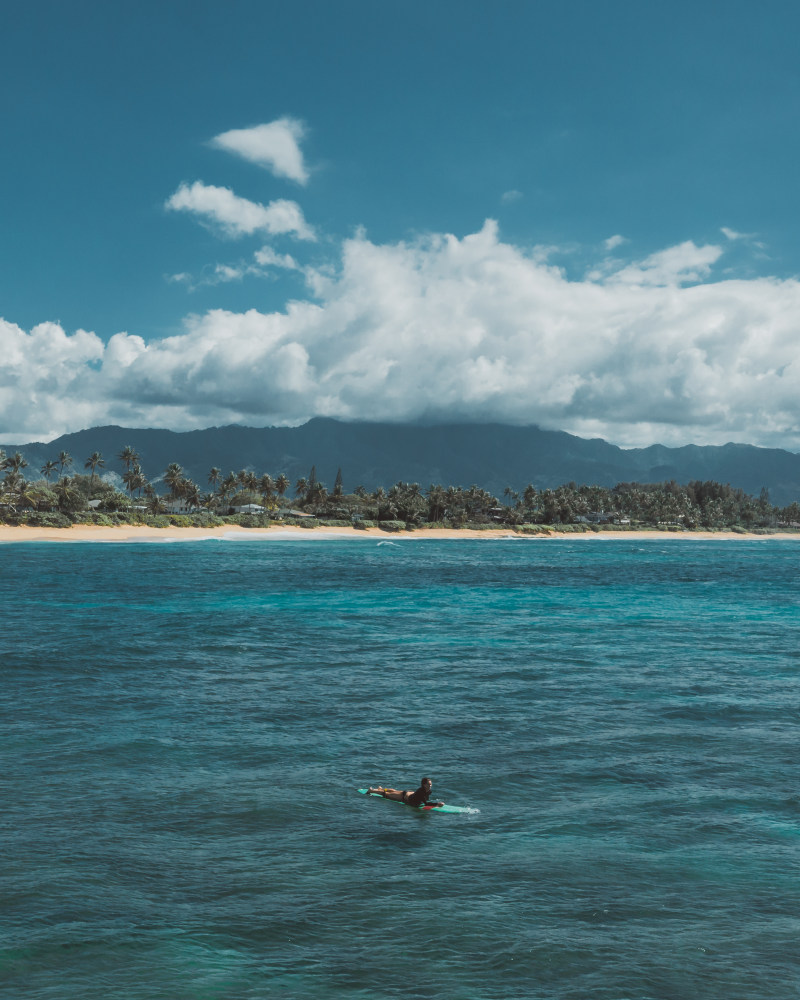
418, 798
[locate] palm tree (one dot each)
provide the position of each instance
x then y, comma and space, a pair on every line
15, 463
64, 461
48, 469
266, 486
208, 501
134, 479
173, 477
436, 502
282, 484
128, 456
191, 493
12, 481
228, 485
301, 488
153, 501
318, 495
92, 462
213, 477
68, 497
141, 479
25, 495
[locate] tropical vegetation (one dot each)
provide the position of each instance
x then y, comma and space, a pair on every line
248, 497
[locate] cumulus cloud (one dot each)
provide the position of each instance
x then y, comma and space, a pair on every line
509, 197
237, 216
275, 146
447, 328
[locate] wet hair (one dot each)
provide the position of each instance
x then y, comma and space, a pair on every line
424, 780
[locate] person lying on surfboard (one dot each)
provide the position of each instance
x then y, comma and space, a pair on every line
418, 798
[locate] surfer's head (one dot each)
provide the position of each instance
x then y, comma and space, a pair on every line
426, 783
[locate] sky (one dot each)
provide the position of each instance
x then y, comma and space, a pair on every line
578, 215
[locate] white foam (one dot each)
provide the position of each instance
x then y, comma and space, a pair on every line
283, 536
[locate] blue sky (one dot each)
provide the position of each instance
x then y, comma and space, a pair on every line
580, 215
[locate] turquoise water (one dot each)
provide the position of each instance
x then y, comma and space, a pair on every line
184, 727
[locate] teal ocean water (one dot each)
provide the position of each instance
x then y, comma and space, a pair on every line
184, 727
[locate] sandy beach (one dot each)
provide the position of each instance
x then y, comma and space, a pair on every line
142, 533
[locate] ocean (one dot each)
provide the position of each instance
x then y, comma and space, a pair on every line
185, 725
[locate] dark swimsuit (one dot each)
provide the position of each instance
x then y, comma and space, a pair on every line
418, 798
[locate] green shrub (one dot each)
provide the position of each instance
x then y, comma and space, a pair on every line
206, 521
157, 521
93, 517
45, 519
335, 523
114, 501
392, 525
133, 517
248, 520
179, 521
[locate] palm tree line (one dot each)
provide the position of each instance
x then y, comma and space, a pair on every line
68, 491
696, 504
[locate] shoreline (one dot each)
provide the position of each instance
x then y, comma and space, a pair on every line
142, 533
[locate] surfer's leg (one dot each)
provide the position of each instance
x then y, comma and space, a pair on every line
393, 793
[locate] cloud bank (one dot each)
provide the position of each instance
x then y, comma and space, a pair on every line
446, 329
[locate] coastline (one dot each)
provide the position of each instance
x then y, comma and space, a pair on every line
142, 533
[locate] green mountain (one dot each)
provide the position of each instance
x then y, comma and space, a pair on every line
492, 456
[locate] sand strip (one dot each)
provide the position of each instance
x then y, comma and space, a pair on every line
141, 533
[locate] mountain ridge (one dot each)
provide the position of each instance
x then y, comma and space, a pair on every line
490, 455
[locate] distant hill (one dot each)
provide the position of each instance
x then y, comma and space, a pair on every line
370, 454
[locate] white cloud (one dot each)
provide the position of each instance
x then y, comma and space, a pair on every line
447, 329
614, 241
267, 257
263, 262
225, 272
238, 216
508, 197
674, 266
274, 146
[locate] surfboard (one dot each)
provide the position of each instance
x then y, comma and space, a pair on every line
435, 809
